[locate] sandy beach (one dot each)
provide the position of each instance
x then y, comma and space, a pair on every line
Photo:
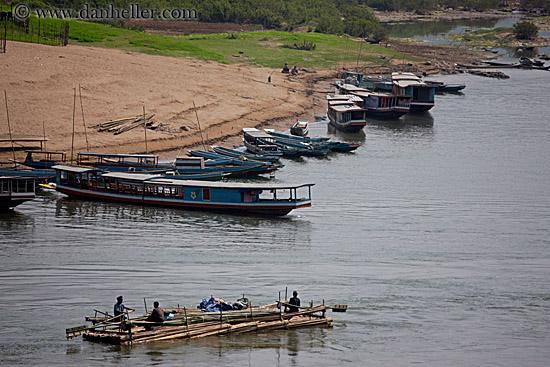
40, 82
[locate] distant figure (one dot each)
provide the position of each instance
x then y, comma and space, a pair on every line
294, 70
120, 309
157, 315
294, 301
285, 70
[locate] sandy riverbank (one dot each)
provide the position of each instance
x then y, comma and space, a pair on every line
40, 79
115, 84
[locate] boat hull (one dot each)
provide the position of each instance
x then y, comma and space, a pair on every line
350, 127
276, 209
421, 106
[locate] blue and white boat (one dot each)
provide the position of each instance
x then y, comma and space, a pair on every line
148, 189
239, 154
15, 190
423, 95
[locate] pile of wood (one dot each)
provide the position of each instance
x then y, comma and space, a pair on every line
188, 324
125, 124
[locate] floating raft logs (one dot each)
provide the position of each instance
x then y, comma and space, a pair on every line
188, 324
489, 73
125, 124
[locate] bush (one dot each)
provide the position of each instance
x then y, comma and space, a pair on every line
525, 30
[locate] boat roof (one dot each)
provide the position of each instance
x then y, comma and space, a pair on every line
118, 155
252, 131
344, 97
160, 180
368, 94
74, 169
404, 76
17, 178
44, 152
346, 108
407, 83
351, 87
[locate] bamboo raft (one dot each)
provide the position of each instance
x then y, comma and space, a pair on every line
195, 323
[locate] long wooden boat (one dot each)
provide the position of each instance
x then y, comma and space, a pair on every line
238, 154
305, 139
46, 159
259, 166
423, 95
147, 189
384, 105
37, 174
300, 128
259, 142
334, 146
119, 162
441, 87
229, 166
15, 190
380, 83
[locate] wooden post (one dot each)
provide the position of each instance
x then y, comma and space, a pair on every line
44, 132
83, 121
145, 304
74, 113
9, 127
359, 55
145, 129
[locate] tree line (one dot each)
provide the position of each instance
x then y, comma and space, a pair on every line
351, 17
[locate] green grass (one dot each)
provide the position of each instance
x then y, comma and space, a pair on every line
259, 48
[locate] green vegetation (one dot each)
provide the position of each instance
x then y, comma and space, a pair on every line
325, 16
525, 30
269, 49
412, 5
533, 4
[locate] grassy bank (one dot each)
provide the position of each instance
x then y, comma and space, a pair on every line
268, 49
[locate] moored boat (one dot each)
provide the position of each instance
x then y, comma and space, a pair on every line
441, 87
346, 116
119, 162
259, 142
148, 189
46, 159
423, 95
15, 190
384, 105
300, 128
238, 154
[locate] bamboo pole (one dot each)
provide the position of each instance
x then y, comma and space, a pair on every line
145, 130
83, 121
74, 116
9, 126
199, 123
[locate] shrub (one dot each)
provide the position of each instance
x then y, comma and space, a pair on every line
525, 30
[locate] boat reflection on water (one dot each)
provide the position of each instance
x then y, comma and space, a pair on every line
186, 228
423, 120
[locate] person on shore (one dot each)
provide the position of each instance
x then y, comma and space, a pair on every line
285, 70
294, 70
295, 302
157, 315
120, 309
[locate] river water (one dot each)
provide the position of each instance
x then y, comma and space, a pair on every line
435, 233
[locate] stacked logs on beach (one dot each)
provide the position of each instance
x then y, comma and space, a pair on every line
192, 324
125, 124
